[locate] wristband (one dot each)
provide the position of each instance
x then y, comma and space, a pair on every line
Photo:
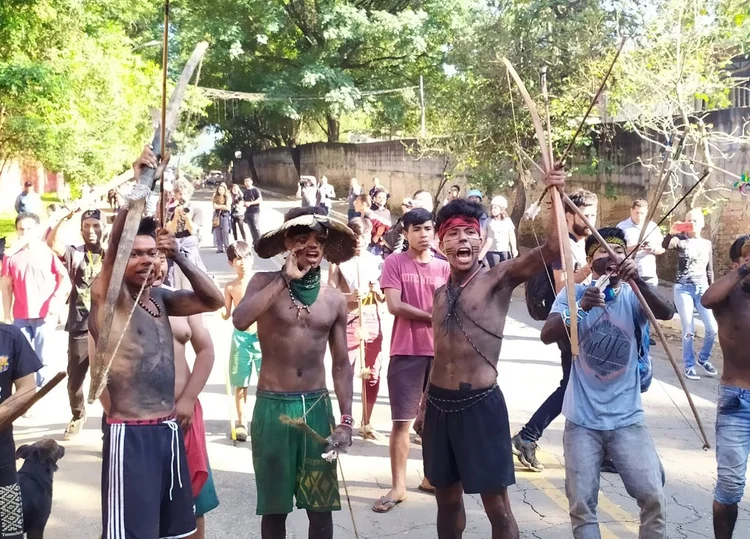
566, 317
580, 313
347, 420
743, 271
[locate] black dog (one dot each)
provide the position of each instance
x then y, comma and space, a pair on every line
35, 481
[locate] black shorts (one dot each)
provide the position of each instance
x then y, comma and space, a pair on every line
146, 490
466, 438
11, 508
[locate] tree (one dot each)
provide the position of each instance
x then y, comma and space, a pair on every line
73, 93
317, 61
667, 84
479, 113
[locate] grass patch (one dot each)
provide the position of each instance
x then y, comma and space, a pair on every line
8, 225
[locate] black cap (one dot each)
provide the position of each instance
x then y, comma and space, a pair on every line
91, 214
735, 251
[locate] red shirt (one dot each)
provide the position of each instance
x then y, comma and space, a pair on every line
34, 272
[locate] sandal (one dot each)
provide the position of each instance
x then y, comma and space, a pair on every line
384, 505
240, 432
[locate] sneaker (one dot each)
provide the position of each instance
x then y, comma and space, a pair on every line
74, 427
690, 374
526, 453
709, 369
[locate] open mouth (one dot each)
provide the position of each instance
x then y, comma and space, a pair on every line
463, 255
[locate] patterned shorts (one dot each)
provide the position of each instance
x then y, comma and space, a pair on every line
11, 508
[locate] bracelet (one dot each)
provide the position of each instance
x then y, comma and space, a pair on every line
743, 271
566, 317
580, 313
347, 420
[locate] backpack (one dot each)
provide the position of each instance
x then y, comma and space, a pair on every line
540, 294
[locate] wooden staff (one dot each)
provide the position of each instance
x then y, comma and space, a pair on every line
649, 313
364, 371
10, 411
100, 367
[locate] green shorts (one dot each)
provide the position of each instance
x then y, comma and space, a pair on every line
245, 352
287, 461
207, 500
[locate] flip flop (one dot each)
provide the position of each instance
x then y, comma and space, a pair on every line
385, 505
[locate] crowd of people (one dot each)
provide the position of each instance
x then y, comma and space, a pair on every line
446, 278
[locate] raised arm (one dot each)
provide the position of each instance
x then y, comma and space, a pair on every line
99, 287
521, 269
203, 347
719, 291
262, 290
53, 240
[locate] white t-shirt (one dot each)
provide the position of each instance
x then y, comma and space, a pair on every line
646, 261
499, 231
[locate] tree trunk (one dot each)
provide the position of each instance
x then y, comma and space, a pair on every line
519, 206
334, 128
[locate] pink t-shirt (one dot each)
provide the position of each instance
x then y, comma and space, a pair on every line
417, 282
34, 272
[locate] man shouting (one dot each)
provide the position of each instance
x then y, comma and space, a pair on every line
296, 318
466, 438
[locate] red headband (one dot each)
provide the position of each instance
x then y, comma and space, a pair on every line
457, 220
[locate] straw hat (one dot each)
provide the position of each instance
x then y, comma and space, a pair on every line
339, 247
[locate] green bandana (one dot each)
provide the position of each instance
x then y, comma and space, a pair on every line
307, 288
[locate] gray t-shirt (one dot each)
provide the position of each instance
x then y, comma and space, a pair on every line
604, 391
646, 262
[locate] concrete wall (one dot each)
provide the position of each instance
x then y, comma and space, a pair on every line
617, 182
400, 170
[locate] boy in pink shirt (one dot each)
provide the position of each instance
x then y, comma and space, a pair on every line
409, 281
34, 282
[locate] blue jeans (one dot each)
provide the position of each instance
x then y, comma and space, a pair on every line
732, 443
633, 452
36, 331
687, 297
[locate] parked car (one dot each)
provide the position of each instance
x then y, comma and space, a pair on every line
214, 178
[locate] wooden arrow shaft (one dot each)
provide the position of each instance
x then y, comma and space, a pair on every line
651, 318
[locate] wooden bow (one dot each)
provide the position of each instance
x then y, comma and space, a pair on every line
557, 197
548, 164
170, 114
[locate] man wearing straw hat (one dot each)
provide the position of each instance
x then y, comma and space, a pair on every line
293, 421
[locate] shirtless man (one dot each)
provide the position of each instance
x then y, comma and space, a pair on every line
143, 491
187, 387
463, 419
729, 297
296, 318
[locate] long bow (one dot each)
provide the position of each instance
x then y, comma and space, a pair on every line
170, 114
547, 163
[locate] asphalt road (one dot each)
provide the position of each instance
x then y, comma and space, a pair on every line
529, 371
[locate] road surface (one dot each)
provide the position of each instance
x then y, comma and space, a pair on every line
529, 371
